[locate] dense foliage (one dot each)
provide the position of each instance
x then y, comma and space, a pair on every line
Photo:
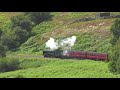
17, 31
114, 64
21, 21
38, 17
2, 50
57, 68
9, 64
115, 29
91, 36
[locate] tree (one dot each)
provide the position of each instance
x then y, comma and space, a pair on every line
38, 17
115, 29
13, 39
114, 64
21, 35
0, 32
2, 51
8, 41
26, 25
21, 21
15, 20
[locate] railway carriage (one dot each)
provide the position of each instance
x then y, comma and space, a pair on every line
97, 56
76, 54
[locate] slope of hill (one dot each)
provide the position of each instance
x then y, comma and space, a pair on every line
91, 35
5, 16
57, 68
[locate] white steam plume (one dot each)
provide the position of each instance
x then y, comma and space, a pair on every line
51, 44
64, 44
69, 41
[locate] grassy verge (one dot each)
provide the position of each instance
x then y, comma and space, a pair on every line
60, 68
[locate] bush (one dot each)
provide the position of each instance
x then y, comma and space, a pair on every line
26, 24
13, 39
38, 17
114, 64
2, 51
115, 29
0, 32
19, 76
113, 40
21, 21
21, 35
9, 64
8, 40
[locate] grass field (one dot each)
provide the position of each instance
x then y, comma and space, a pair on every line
60, 68
92, 35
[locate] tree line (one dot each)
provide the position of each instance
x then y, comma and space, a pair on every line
19, 30
114, 64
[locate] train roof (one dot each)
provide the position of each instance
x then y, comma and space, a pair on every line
51, 50
85, 51
74, 51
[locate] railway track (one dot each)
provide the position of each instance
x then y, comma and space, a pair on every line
29, 57
37, 57
25, 56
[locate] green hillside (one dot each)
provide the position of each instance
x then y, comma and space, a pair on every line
93, 35
5, 16
57, 68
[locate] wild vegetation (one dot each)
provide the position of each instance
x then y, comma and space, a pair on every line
57, 68
115, 41
18, 29
9, 64
90, 34
25, 33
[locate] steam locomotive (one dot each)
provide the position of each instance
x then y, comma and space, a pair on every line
76, 54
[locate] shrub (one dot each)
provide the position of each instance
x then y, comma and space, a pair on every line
0, 32
114, 64
38, 17
19, 76
21, 35
9, 64
26, 24
2, 51
115, 29
8, 40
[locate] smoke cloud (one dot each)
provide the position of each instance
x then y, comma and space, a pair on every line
51, 44
67, 43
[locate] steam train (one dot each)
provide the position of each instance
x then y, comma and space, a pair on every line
76, 54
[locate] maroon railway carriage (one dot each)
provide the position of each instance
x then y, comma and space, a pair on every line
75, 54
97, 56
86, 55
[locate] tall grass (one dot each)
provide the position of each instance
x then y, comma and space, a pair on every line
32, 63
61, 68
9, 64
